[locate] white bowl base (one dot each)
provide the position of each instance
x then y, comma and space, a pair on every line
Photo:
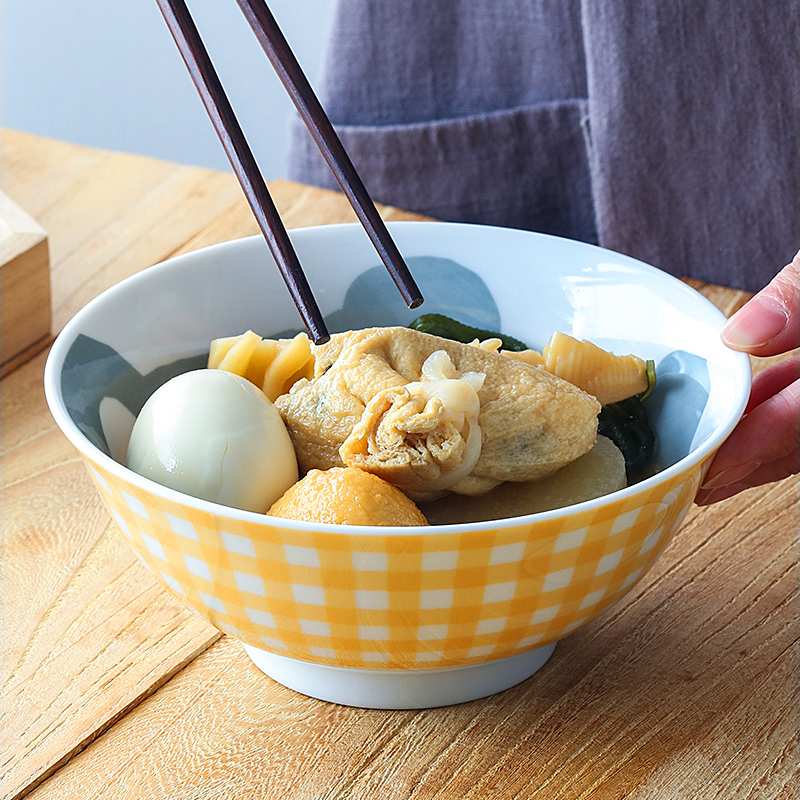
400, 689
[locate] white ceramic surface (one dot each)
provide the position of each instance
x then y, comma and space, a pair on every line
398, 689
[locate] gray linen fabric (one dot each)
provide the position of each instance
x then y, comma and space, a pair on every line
666, 130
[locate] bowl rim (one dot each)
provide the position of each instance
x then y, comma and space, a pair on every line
66, 336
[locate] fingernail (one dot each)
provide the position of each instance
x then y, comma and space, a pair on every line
755, 323
732, 475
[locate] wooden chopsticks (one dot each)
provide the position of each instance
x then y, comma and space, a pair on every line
283, 60
198, 62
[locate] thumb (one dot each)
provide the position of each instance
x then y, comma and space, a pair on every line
769, 323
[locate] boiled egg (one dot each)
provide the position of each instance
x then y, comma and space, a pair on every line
213, 435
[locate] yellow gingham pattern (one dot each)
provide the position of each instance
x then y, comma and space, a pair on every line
425, 600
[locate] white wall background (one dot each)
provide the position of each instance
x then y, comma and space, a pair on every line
106, 73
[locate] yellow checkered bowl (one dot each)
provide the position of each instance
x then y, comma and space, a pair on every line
398, 617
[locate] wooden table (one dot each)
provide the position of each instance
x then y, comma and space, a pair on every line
688, 688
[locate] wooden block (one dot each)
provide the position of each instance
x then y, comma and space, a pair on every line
25, 285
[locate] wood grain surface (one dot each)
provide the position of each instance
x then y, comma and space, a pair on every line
24, 286
688, 688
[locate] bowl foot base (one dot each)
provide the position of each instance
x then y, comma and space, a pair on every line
399, 689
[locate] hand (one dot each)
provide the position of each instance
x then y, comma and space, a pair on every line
765, 445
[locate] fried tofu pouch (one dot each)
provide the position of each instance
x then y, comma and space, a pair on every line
531, 423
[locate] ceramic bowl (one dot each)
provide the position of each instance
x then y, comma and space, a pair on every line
398, 617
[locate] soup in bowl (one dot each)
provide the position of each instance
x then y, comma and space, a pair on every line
392, 616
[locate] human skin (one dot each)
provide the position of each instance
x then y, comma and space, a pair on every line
765, 445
